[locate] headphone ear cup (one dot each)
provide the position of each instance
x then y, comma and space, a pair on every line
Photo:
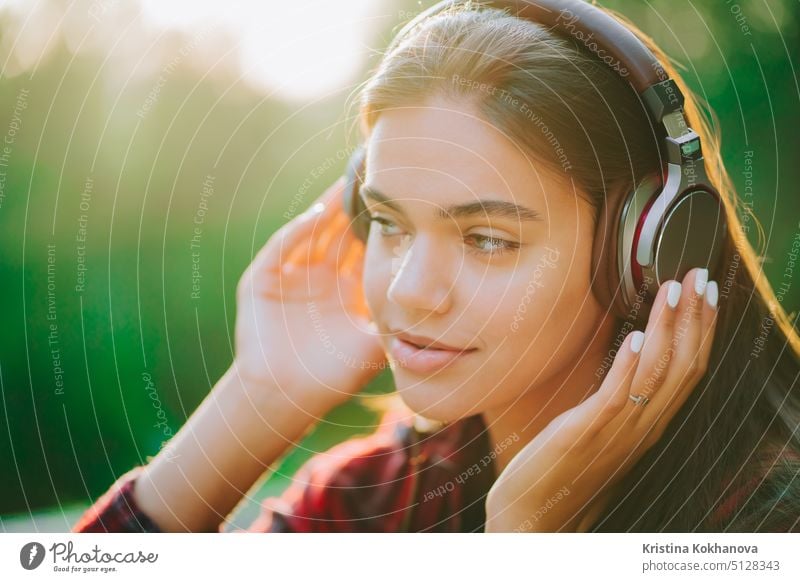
353, 204
608, 285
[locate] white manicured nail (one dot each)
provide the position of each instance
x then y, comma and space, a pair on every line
712, 293
673, 294
700, 281
637, 339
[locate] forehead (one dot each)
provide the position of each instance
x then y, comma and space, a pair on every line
445, 149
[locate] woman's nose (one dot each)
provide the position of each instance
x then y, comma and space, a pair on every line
420, 280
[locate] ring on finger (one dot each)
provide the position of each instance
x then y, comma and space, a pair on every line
639, 399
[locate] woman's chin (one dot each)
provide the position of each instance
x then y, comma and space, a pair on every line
425, 400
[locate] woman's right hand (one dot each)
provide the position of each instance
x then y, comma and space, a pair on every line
302, 325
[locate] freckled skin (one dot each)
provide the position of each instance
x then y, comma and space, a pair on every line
429, 283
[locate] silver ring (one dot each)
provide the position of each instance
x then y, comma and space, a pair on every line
639, 399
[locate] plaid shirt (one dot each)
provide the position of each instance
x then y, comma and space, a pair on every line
403, 478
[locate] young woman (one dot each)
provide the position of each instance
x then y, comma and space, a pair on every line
486, 315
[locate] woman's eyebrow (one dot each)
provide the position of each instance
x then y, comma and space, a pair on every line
491, 208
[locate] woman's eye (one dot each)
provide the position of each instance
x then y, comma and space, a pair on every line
489, 245
384, 223
483, 245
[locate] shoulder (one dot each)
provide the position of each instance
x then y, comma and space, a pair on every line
362, 484
330, 490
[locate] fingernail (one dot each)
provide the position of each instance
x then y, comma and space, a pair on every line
712, 294
637, 339
700, 281
674, 294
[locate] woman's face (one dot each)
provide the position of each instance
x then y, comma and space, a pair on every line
508, 279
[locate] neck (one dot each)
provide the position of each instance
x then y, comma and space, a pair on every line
515, 424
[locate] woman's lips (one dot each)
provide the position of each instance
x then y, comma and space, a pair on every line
423, 360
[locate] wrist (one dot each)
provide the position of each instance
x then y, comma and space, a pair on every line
297, 402
497, 513
517, 517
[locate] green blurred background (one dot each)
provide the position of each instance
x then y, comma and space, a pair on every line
124, 123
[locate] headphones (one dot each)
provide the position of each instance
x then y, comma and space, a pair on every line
664, 227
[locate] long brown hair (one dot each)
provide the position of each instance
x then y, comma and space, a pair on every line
741, 421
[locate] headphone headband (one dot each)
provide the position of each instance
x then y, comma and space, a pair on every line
601, 34
610, 40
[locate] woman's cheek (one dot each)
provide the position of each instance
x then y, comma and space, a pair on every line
523, 307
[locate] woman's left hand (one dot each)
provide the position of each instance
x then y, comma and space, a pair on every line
562, 479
